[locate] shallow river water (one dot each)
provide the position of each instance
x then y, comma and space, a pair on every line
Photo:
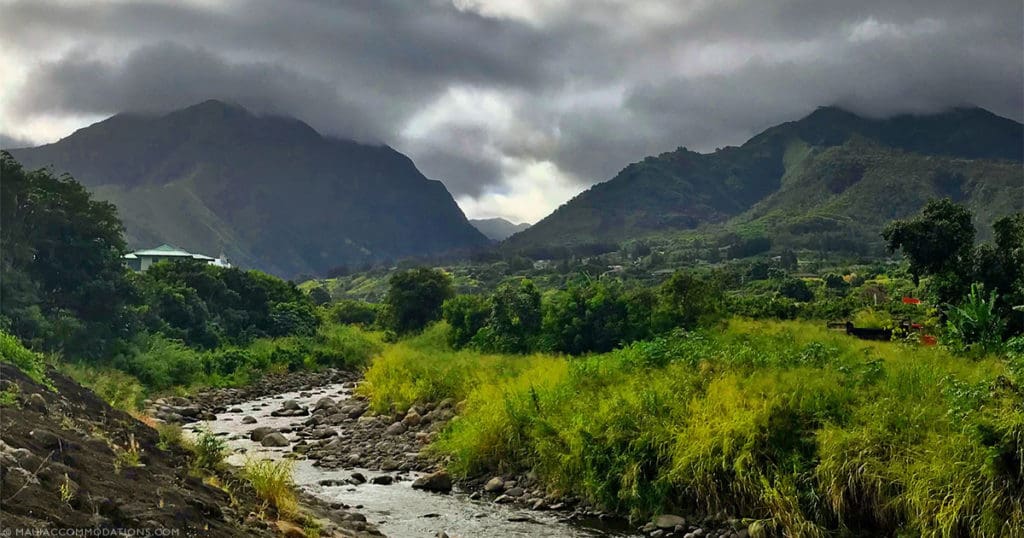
397, 509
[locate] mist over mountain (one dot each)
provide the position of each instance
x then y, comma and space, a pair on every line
270, 192
830, 176
498, 229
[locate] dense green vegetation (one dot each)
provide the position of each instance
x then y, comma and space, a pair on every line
66, 293
808, 431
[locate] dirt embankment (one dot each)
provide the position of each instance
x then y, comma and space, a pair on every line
70, 461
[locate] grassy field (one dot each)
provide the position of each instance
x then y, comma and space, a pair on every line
812, 432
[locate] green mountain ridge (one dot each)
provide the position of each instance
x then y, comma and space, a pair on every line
268, 191
848, 173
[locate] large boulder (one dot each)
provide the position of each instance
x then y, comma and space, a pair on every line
274, 439
439, 482
257, 434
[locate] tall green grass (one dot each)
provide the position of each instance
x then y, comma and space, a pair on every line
810, 431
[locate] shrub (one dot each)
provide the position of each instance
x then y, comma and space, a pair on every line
353, 312
272, 482
30, 363
466, 315
118, 389
169, 436
163, 363
209, 451
344, 346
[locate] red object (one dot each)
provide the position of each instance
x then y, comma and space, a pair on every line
916, 326
911, 300
928, 340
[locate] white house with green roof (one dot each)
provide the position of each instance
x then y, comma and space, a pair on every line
140, 260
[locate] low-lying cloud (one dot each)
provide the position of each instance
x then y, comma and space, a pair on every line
515, 105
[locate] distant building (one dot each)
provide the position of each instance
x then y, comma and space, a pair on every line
141, 260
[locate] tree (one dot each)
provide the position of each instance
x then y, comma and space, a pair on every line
687, 301
587, 318
1000, 267
319, 295
515, 318
466, 315
938, 243
415, 297
64, 286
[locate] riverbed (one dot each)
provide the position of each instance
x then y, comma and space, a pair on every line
397, 509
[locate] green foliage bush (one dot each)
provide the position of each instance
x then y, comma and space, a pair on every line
118, 389
353, 312
344, 346
161, 363
208, 450
466, 315
31, 364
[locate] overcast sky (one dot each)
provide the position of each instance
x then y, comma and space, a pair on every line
517, 105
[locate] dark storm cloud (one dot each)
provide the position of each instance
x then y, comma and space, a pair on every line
699, 74
166, 76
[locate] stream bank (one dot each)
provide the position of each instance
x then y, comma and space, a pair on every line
374, 466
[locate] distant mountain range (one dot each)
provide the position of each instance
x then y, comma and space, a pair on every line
829, 181
498, 229
270, 192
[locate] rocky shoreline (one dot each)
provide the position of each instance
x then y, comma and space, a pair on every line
341, 434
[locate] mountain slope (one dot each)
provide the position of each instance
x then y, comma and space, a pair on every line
270, 192
683, 190
498, 229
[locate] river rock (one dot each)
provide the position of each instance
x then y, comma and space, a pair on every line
235, 410
47, 439
382, 480
412, 418
397, 428
669, 521
36, 402
439, 482
257, 434
503, 499
358, 478
248, 420
274, 439
323, 403
515, 492
495, 485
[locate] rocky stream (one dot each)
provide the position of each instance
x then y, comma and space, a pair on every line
374, 466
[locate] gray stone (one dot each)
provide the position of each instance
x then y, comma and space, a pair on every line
668, 521
382, 480
257, 434
36, 402
439, 482
248, 420
397, 428
47, 438
495, 485
274, 439
515, 492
